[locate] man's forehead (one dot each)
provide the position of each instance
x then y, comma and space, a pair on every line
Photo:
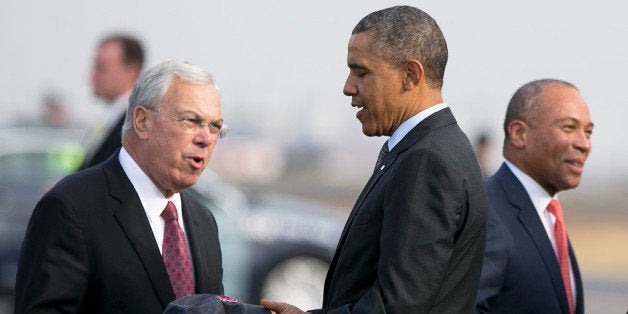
181, 99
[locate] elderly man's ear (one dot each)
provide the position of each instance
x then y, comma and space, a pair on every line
140, 122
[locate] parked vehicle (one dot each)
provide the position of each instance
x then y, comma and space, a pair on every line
273, 246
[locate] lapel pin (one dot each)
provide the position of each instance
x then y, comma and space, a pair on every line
382, 167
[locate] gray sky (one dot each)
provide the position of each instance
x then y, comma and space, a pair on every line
281, 65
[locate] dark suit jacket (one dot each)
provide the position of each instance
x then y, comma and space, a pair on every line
520, 273
108, 146
414, 240
89, 248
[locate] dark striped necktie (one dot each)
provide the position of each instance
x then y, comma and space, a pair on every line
382, 155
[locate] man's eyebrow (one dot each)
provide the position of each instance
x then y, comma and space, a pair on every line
198, 115
188, 112
572, 119
356, 66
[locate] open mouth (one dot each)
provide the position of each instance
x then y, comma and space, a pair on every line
576, 165
362, 109
196, 161
358, 106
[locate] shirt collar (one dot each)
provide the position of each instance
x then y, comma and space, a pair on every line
152, 199
409, 124
538, 195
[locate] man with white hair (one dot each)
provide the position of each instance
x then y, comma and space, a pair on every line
124, 236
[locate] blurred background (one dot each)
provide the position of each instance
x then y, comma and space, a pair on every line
281, 66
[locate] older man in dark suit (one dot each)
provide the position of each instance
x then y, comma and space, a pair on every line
124, 236
414, 240
529, 265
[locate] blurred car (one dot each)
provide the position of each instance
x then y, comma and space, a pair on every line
273, 246
31, 161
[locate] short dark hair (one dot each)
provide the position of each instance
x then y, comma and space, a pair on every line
403, 33
525, 99
133, 53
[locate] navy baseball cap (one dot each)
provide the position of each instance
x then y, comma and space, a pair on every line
211, 303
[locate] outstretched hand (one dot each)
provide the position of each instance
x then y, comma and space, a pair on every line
280, 307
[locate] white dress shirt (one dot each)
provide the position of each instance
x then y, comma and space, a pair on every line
116, 110
540, 199
152, 199
103, 126
409, 124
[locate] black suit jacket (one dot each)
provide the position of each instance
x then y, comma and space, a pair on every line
414, 240
110, 144
520, 273
89, 248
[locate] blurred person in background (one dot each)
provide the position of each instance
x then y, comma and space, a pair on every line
117, 65
414, 240
124, 236
482, 149
529, 265
54, 111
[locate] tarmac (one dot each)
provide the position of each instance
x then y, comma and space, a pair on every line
596, 221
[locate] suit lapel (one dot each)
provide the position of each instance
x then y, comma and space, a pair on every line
197, 236
377, 174
438, 119
132, 219
576, 274
529, 218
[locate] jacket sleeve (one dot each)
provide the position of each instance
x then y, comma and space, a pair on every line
53, 265
496, 257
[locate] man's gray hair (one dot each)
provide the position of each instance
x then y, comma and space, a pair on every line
404, 33
154, 83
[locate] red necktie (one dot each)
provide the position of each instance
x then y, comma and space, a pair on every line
562, 248
175, 254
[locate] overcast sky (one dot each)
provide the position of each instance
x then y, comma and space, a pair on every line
281, 65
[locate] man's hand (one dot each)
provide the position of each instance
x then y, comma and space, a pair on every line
280, 308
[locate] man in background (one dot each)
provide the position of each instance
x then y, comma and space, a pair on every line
414, 240
124, 236
529, 265
117, 65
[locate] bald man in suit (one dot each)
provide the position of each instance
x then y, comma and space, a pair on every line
547, 142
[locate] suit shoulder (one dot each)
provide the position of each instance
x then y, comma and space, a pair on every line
193, 204
448, 146
81, 183
191, 200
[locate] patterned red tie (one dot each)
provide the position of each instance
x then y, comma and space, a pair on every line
175, 254
562, 248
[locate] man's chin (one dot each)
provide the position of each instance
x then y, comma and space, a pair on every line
369, 132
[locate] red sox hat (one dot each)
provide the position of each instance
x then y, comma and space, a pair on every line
211, 303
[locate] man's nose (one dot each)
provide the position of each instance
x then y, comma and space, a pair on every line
350, 87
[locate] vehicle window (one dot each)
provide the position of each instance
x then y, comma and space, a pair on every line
35, 166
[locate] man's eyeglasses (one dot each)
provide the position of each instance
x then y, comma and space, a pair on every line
194, 125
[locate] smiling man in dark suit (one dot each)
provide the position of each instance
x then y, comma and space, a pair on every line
414, 240
123, 236
528, 266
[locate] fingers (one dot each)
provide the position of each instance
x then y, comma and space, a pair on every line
280, 307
